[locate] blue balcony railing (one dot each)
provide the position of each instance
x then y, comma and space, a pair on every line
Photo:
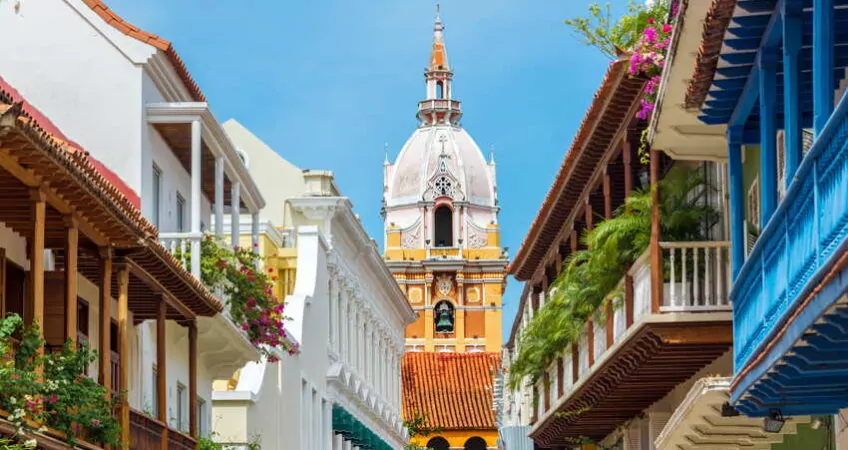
807, 233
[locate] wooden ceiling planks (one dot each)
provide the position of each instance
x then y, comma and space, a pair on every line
651, 364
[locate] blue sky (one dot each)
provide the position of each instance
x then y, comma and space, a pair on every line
328, 82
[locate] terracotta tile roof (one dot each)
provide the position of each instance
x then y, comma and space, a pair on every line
454, 391
715, 24
612, 102
115, 192
164, 45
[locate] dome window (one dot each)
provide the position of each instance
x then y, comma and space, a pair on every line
443, 187
444, 226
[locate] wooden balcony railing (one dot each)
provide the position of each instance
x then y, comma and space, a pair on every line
806, 234
145, 431
179, 441
115, 372
697, 281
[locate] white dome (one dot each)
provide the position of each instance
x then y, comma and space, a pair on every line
437, 161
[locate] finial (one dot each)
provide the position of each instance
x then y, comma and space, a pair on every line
491, 154
438, 24
386, 153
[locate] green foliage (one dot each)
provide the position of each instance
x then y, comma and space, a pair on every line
61, 397
9, 444
207, 443
249, 293
418, 427
591, 277
611, 36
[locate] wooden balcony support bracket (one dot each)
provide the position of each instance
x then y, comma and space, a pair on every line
71, 292
192, 379
104, 371
123, 273
35, 297
161, 366
656, 251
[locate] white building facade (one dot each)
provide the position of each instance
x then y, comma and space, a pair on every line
343, 388
127, 98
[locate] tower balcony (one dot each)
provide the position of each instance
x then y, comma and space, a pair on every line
439, 110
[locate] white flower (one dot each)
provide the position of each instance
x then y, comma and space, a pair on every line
13, 400
30, 443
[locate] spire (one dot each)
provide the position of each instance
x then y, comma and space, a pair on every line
439, 56
386, 153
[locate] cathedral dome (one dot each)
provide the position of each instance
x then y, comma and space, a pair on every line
441, 161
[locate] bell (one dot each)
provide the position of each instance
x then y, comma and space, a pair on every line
444, 324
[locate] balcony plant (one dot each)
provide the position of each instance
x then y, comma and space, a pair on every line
60, 397
590, 277
249, 293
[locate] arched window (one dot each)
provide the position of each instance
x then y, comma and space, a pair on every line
440, 90
444, 226
475, 443
438, 443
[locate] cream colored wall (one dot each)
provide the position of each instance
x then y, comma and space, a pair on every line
277, 178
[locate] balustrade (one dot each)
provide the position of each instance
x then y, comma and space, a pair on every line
180, 245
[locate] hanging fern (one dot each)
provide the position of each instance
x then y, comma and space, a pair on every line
590, 277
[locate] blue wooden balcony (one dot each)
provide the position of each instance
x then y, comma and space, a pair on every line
779, 69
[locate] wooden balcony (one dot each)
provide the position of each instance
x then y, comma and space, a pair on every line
635, 351
790, 312
147, 433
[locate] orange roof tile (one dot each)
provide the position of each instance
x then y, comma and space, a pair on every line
454, 391
164, 45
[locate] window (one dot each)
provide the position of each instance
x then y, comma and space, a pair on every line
443, 185
444, 227
440, 90
181, 403
438, 443
180, 213
201, 413
157, 195
475, 443
754, 205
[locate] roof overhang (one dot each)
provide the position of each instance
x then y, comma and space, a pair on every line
675, 129
215, 139
698, 424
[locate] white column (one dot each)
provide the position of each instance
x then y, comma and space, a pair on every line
344, 321
196, 178
254, 232
334, 337
219, 196
234, 214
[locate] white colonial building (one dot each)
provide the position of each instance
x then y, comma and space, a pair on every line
342, 389
126, 97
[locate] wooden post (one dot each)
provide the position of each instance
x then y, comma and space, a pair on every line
589, 218
124, 348
574, 242
656, 251
162, 367
590, 341
628, 301
104, 371
626, 152
610, 324
71, 256
192, 379
607, 195
575, 363
2, 282
35, 300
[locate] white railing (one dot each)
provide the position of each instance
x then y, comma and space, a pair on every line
619, 319
186, 248
583, 353
599, 326
641, 273
698, 276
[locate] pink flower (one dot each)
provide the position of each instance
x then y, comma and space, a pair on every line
95, 423
666, 28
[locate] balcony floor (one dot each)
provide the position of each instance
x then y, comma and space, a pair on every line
803, 368
643, 369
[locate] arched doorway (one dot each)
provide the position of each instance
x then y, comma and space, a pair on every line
444, 226
475, 443
439, 443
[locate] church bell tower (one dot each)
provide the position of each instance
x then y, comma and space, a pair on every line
440, 210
